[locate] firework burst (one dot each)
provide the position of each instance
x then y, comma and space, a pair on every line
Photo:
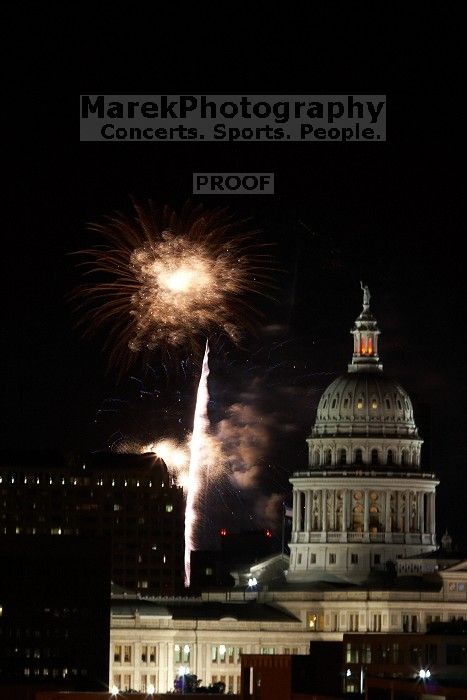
167, 281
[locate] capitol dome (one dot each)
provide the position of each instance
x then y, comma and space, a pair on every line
364, 417
364, 403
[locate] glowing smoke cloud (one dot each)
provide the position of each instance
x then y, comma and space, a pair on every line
199, 460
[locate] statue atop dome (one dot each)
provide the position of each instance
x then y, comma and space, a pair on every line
366, 296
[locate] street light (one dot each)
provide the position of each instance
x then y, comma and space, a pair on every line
424, 673
253, 581
151, 689
182, 671
114, 690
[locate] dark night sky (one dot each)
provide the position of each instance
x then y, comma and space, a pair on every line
385, 213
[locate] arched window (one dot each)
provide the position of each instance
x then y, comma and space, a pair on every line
346, 403
325, 403
390, 459
374, 523
334, 402
316, 458
360, 403
327, 457
343, 456
374, 457
405, 458
357, 518
399, 405
358, 456
414, 458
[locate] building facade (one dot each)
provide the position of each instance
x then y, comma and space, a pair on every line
53, 631
365, 499
131, 499
151, 639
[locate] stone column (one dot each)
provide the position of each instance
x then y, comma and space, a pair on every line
307, 510
399, 510
137, 665
432, 514
166, 662
344, 510
420, 511
295, 511
387, 513
366, 511
408, 511
323, 510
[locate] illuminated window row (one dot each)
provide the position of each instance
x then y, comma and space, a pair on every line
75, 481
223, 654
54, 672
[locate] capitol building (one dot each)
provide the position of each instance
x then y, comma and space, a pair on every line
363, 550
365, 500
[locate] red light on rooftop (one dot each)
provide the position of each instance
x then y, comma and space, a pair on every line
223, 532
268, 533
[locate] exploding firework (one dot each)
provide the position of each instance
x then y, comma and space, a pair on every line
167, 281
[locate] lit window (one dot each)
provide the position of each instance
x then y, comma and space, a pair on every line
169, 508
208, 571
360, 403
312, 621
374, 404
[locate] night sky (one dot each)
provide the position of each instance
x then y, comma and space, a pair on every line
386, 213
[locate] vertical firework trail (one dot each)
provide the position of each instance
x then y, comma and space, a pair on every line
199, 460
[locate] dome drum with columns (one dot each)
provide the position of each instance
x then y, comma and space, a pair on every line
365, 500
